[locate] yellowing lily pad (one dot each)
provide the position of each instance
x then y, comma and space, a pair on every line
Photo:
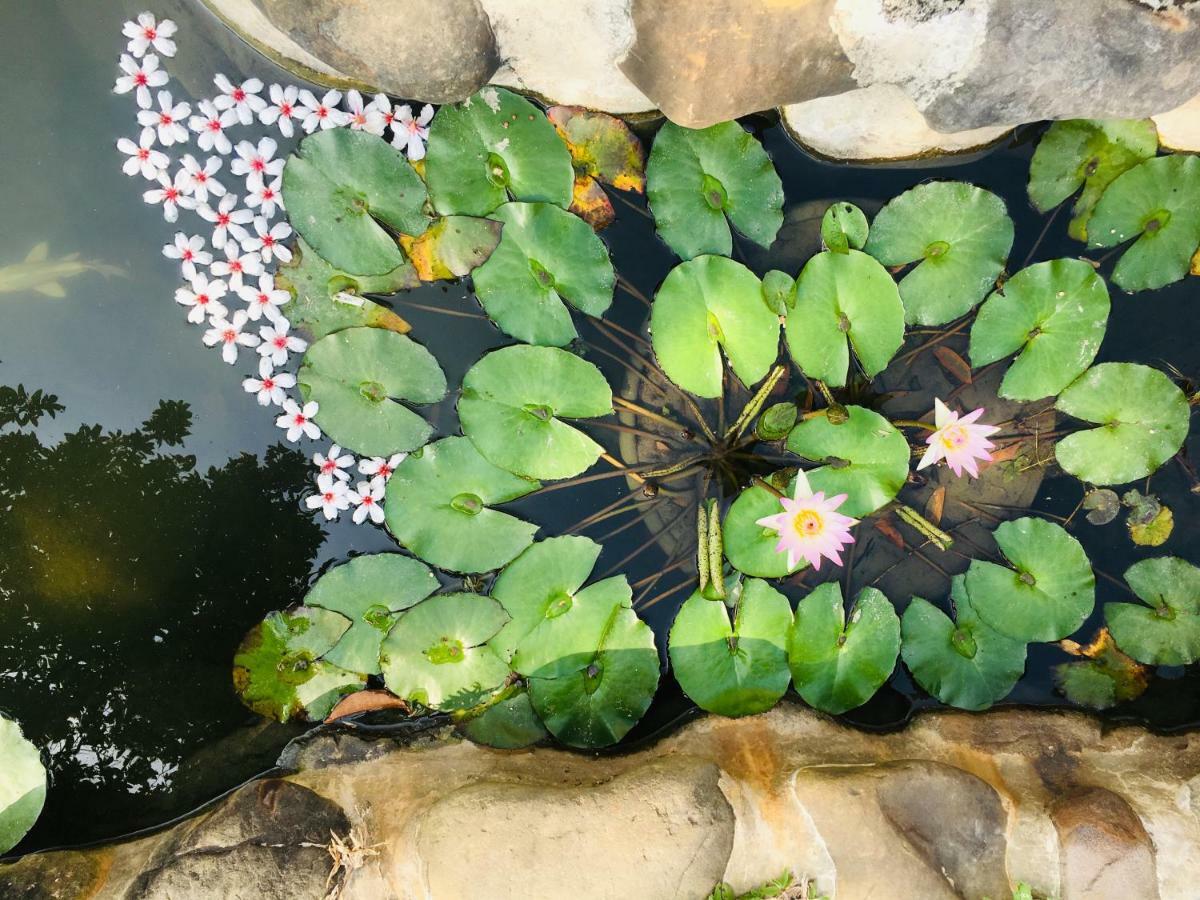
22, 785
1103, 677
1165, 631
451, 247
603, 150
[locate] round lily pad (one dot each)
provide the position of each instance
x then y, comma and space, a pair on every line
1053, 314
962, 661
707, 305
344, 189
493, 145
1166, 630
451, 247
843, 301
696, 178
437, 653
838, 664
1143, 419
22, 787
1045, 592
546, 258
844, 227
359, 376
513, 403
1158, 202
865, 458
597, 704
507, 723
438, 506
736, 668
749, 547
959, 236
370, 591
565, 638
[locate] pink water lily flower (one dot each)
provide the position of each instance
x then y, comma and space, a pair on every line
270, 386
809, 527
242, 98
409, 134
298, 420
323, 113
367, 499
147, 32
203, 297
189, 250
143, 157
959, 441
282, 109
228, 333
334, 463
140, 77
168, 120
331, 497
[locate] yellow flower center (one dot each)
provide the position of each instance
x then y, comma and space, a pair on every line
808, 523
953, 437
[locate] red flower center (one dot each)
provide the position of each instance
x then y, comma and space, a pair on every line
268, 193
285, 109
257, 164
328, 495
213, 125
238, 94
229, 336
202, 299
368, 500
322, 112
299, 419
143, 154
268, 241
235, 265
150, 33
165, 119
140, 79
222, 219
280, 342
268, 384
171, 194
385, 470
188, 255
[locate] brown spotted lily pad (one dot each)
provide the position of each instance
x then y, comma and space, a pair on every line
603, 151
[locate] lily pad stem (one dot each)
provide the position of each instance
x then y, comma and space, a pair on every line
650, 414
755, 405
914, 423
767, 486
834, 411
939, 538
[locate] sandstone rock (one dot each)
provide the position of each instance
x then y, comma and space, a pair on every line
1179, 128
1106, 851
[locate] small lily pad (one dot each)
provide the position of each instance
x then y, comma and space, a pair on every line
603, 149
837, 664
1166, 630
437, 653
451, 247
507, 722
779, 291
962, 661
844, 300
344, 189
1158, 202
844, 227
776, 421
736, 668
959, 236
699, 177
546, 259
513, 403
865, 458
370, 591
1154, 533
1143, 420
1104, 676
22, 787
1045, 592
439, 506
749, 547
492, 146
1102, 505
1088, 153
1055, 314
705, 306
358, 377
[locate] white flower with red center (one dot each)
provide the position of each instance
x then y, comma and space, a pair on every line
198, 180
277, 343
959, 441
366, 117
282, 109
264, 195
378, 467
298, 420
139, 78
263, 299
334, 463
210, 124
267, 240
190, 252
270, 387
143, 157
168, 120
256, 160
323, 113
236, 265
367, 499
203, 298
242, 99
171, 196
146, 32
226, 219
409, 134
331, 496
228, 334
809, 527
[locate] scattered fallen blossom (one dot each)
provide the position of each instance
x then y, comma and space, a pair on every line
277, 343
190, 252
197, 180
210, 124
331, 497
228, 333
143, 157
264, 195
323, 113
203, 297
334, 463
146, 32
379, 467
282, 108
168, 120
959, 441
242, 99
409, 134
236, 265
298, 420
267, 240
170, 196
139, 78
227, 220
367, 499
809, 527
368, 117
270, 386
251, 159
263, 299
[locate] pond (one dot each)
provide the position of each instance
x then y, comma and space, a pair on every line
153, 513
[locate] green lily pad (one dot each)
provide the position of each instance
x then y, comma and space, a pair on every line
343, 189
776, 421
358, 377
779, 291
493, 145
438, 506
1157, 201
370, 591
1045, 592
541, 584
451, 247
437, 653
962, 661
546, 259
513, 403
749, 547
844, 300
278, 671
958, 234
564, 639
1054, 315
597, 704
696, 178
326, 299
1143, 419
508, 722
844, 227
707, 305
839, 665
23, 786
737, 668
1087, 153
865, 458
1104, 678
1166, 630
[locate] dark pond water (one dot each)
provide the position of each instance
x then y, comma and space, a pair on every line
154, 517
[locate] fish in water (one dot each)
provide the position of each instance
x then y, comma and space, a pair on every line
38, 272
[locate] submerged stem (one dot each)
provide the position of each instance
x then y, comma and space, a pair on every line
939, 538
752, 408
